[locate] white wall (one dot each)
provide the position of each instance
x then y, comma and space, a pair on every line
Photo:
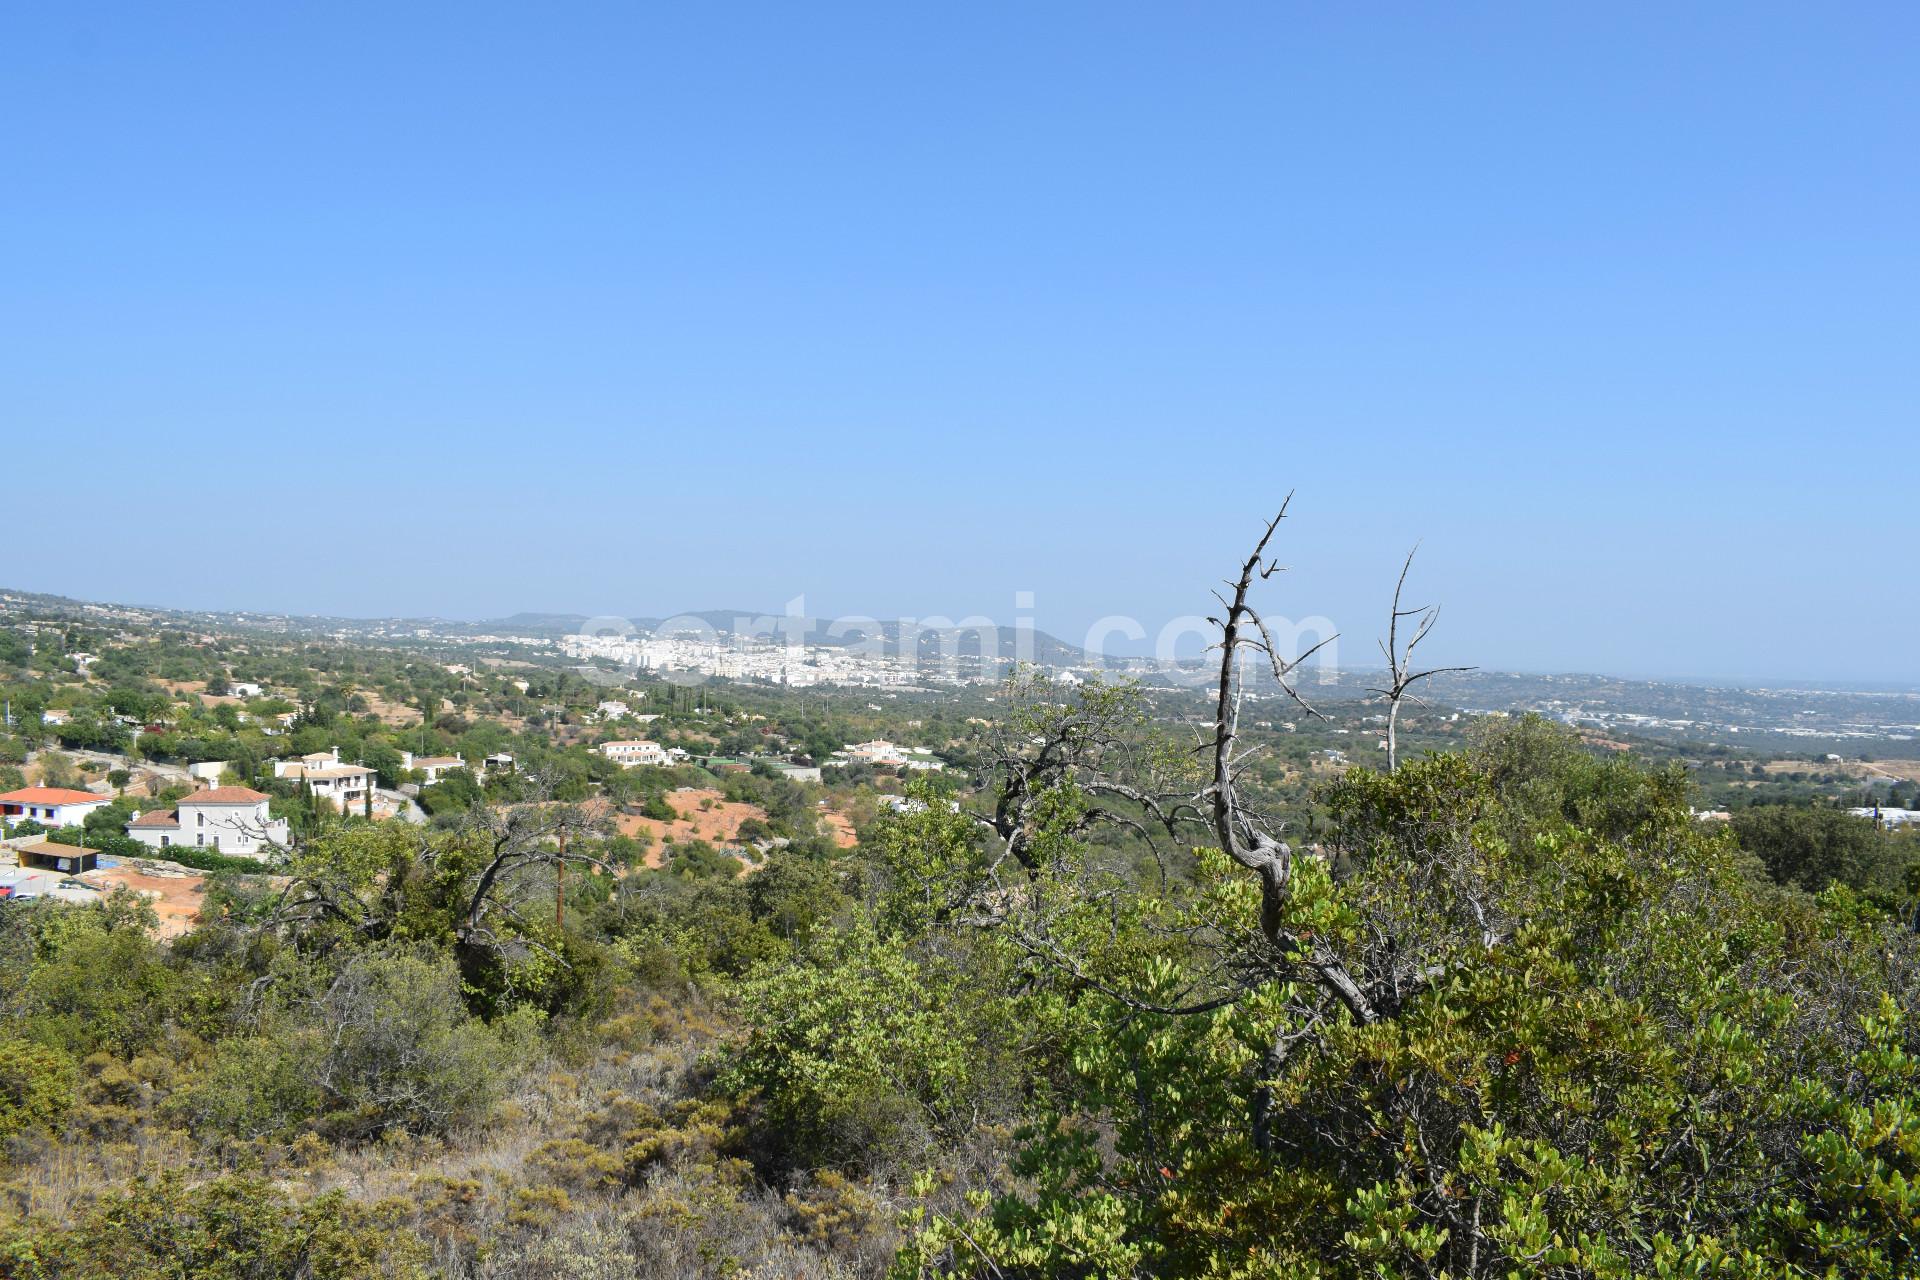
243, 829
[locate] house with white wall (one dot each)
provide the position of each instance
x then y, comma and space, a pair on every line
634, 751
881, 752
329, 778
432, 768
878, 751
207, 772
231, 820
50, 806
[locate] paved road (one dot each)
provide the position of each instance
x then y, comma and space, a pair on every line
404, 806
24, 883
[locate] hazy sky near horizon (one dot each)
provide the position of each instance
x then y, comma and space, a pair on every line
468, 309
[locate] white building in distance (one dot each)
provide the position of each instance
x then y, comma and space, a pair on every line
432, 768
634, 751
1885, 816
878, 751
344, 785
881, 752
207, 772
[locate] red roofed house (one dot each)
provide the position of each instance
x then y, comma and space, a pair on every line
224, 819
50, 806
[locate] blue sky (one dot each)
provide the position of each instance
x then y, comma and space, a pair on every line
475, 308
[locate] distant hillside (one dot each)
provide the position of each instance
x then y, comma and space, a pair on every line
535, 624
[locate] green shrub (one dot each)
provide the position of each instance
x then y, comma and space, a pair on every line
254, 1087
101, 982
860, 1041
231, 1228
399, 1049
36, 1086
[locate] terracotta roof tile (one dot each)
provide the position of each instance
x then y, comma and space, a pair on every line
52, 795
225, 795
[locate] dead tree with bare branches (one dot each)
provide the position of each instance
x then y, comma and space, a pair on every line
1411, 921
1090, 739
1400, 669
522, 849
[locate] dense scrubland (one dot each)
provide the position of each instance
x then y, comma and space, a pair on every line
1111, 996
1018, 1030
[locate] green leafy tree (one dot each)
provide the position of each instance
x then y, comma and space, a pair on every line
57, 770
1812, 848
1601, 1074
99, 981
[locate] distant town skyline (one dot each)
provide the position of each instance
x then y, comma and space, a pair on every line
375, 312
1178, 639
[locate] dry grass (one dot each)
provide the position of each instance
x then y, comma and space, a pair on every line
616, 1163
393, 714
1860, 770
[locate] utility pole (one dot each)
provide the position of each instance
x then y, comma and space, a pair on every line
560, 885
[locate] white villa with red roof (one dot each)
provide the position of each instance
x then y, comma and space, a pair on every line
50, 806
224, 819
